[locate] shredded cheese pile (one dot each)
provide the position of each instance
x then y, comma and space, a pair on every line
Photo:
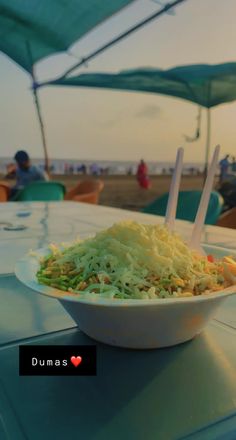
131, 260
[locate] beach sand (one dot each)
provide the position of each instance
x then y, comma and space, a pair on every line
124, 191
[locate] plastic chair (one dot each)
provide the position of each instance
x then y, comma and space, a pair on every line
4, 192
188, 203
42, 192
87, 191
228, 219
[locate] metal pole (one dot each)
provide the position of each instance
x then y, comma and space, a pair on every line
38, 109
208, 140
42, 129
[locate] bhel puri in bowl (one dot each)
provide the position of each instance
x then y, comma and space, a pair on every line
133, 285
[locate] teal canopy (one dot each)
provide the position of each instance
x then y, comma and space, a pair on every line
203, 84
31, 30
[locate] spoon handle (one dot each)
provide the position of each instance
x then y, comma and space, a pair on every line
174, 191
202, 209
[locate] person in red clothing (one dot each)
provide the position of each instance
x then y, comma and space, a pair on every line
142, 175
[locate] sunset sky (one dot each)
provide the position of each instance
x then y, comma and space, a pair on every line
112, 125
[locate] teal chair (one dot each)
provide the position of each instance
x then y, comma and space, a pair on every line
41, 192
188, 203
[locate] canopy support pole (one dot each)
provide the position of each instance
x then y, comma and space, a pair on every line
208, 140
42, 129
38, 109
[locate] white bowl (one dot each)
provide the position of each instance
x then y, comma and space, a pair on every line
132, 323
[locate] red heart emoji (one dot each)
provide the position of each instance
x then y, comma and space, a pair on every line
76, 360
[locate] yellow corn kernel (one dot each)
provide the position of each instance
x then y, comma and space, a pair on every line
183, 294
178, 282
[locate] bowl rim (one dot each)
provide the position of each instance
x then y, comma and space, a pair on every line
23, 269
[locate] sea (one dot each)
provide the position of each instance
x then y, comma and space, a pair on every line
72, 166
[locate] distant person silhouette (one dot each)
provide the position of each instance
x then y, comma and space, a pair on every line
25, 172
94, 169
233, 165
224, 167
142, 175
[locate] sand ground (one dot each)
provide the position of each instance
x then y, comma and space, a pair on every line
124, 191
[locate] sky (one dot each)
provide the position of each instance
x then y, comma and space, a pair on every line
109, 125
